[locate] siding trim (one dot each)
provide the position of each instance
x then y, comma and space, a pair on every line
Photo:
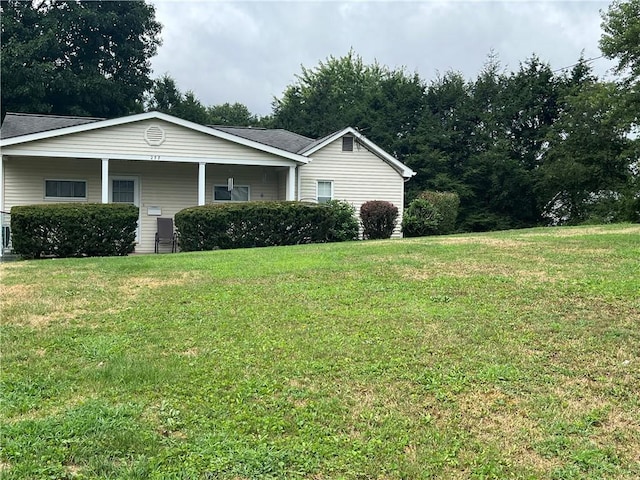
149, 158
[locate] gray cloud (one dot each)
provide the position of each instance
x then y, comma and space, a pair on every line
249, 52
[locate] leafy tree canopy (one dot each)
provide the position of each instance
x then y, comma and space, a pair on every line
621, 37
77, 57
166, 97
384, 104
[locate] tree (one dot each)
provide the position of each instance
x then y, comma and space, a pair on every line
621, 37
166, 97
190, 108
586, 169
77, 57
383, 104
621, 41
235, 114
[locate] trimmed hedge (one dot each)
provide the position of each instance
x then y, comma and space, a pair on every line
74, 229
420, 218
262, 224
378, 219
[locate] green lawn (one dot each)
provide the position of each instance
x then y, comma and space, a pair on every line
505, 355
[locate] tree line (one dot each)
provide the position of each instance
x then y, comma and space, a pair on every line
523, 148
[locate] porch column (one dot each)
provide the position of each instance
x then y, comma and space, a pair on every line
105, 180
1, 184
1, 205
291, 183
201, 183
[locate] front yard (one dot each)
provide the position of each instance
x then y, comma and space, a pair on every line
505, 355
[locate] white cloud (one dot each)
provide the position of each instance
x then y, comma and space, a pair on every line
249, 52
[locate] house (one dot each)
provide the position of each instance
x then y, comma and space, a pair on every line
164, 164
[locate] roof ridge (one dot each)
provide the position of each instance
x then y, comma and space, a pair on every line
249, 127
244, 127
53, 115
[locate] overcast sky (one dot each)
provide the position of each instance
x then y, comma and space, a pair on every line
248, 52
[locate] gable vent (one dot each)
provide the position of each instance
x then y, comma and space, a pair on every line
154, 135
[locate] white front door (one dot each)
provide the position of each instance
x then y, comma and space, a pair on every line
125, 189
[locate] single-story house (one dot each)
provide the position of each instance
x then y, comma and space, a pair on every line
164, 164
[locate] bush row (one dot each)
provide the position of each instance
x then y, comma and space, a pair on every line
74, 229
261, 224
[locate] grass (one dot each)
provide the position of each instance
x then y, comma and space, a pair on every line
504, 355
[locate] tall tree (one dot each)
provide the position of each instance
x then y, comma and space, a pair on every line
166, 97
621, 40
77, 57
586, 171
621, 37
235, 114
384, 104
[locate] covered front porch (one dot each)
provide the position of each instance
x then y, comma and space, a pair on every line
159, 188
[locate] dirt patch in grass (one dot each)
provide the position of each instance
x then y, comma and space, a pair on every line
18, 303
19, 293
468, 269
135, 285
573, 232
73, 470
496, 419
476, 240
191, 352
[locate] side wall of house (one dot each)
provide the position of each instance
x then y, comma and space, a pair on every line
357, 176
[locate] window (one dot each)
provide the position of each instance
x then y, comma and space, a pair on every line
240, 193
325, 190
123, 191
65, 189
347, 144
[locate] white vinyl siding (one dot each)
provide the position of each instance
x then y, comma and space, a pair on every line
25, 179
129, 139
357, 177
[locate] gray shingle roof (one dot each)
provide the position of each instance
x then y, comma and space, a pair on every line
317, 142
276, 137
17, 124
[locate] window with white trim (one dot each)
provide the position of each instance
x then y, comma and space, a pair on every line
239, 193
347, 144
66, 189
324, 191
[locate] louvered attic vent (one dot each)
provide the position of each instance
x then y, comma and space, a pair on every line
154, 135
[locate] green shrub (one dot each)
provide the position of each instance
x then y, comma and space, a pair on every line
344, 221
74, 229
378, 219
261, 224
421, 218
446, 204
